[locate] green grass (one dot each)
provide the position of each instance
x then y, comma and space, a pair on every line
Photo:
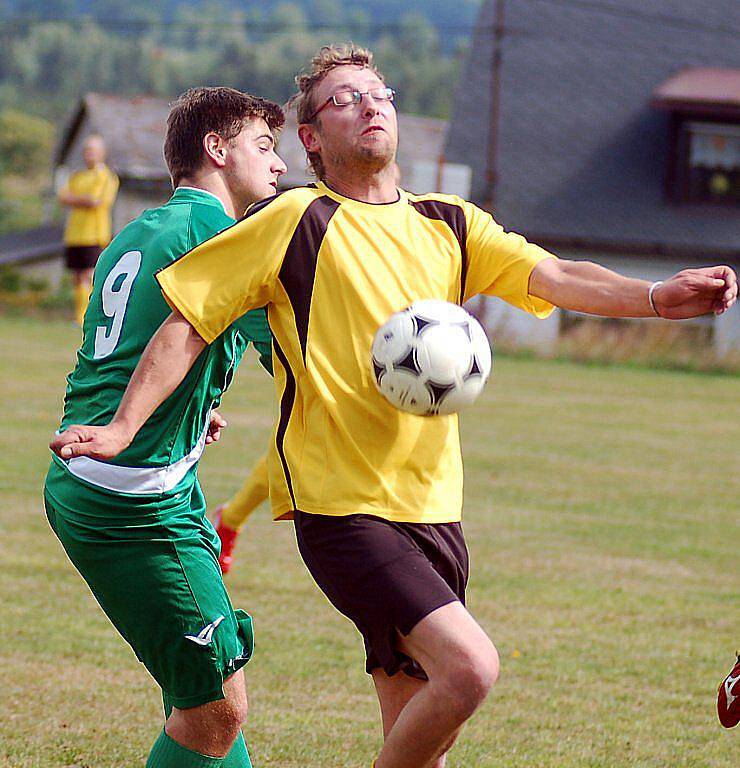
602, 517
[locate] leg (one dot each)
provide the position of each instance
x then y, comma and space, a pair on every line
211, 728
157, 579
403, 586
255, 490
229, 518
462, 665
394, 693
82, 279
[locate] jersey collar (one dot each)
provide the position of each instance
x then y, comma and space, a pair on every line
182, 194
351, 201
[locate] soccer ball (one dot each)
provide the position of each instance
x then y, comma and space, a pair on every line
431, 358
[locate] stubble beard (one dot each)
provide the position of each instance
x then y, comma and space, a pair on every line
367, 159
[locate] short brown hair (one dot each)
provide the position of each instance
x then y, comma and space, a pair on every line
220, 110
329, 57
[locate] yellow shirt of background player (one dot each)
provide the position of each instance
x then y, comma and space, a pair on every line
91, 226
332, 270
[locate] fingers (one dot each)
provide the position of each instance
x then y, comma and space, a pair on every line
95, 442
213, 436
60, 443
73, 450
217, 423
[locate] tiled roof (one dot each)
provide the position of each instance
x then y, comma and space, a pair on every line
133, 129
582, 155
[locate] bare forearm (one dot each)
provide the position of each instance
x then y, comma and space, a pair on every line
582, 286
164, 364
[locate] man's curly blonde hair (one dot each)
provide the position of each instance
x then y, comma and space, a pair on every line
328, 57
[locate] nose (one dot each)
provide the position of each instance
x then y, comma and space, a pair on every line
278, 166
370, 106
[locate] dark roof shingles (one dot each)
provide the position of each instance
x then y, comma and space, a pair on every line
581, 153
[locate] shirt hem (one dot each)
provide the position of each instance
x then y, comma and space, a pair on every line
285, 512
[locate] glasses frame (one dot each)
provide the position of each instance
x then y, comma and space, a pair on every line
356, 99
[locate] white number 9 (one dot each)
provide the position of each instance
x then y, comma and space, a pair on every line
115, 302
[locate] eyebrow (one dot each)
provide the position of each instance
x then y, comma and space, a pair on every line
266, 136
354, 87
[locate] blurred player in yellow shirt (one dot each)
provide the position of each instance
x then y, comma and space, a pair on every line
89, 194
229, 518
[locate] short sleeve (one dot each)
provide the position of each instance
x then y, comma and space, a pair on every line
499, 263
236, 270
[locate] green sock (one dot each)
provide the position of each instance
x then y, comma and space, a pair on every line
167, 753
238, 757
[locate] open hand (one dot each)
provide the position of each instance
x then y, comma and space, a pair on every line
694, 292
95, 442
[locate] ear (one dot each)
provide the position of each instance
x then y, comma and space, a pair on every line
309, 137
215, 148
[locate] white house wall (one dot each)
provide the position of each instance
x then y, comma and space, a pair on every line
513, 328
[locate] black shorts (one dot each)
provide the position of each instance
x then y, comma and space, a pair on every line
384, 576
82, 256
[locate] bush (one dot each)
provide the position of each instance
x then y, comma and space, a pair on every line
25, 143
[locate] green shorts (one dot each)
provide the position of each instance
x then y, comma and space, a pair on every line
153, 567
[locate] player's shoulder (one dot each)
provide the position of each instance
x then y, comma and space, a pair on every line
160, 234
431, 198
289, 202
205, 216
437, 205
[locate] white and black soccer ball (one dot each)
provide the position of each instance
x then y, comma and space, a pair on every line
431, 358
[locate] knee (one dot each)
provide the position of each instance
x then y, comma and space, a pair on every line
210, 728
240, 710
469, 679
229, 715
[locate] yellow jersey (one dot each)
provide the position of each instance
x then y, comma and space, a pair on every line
91, 226
331, 270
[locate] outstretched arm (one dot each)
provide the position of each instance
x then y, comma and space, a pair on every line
166, 360
582, 286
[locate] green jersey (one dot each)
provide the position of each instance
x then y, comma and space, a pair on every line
125, 310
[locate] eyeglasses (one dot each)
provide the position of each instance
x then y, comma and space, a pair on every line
345, 98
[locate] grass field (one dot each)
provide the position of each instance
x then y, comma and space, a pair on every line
602, 516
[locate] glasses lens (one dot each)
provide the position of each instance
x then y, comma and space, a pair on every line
343, 98
382, 94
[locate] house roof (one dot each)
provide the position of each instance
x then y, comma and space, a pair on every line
582, 155
709, 90
134, 130
31, 244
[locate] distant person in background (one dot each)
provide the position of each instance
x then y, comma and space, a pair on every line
90, 194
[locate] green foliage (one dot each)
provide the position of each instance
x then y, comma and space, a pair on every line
162, 48
25, 143
11, 279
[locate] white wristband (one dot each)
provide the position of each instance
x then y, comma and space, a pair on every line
651, 298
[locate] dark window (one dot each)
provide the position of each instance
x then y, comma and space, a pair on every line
710, 155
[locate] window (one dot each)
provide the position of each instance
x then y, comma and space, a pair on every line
711, 167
